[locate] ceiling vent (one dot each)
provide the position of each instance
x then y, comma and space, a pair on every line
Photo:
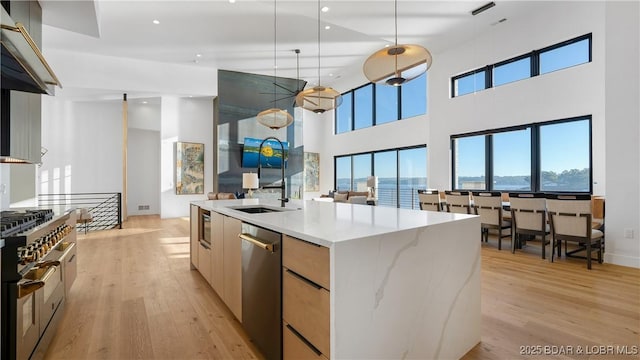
483, 8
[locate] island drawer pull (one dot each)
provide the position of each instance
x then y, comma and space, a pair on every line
305, 341
256, 242
304, 279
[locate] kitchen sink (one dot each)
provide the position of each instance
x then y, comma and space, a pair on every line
260, 209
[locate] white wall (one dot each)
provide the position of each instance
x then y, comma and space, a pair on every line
622, 133
89, 71
84, 142
143, 171
190, 120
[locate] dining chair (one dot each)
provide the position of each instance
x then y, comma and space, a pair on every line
458, 202
429, 200
570, 218
528, 218
488, 205
597, 212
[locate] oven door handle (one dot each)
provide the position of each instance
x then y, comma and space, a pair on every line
29, 287
49, 272
48, 263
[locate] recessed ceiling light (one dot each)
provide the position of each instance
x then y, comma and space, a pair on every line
325, 9
144, 102
232, 1
156, 21
198, 55
327, 27
330, 74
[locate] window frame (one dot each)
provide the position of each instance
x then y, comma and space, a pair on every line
374, 122
509, 61
535, 153
373, 170
487, 78
534, 62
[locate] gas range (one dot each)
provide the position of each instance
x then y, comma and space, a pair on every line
14, 222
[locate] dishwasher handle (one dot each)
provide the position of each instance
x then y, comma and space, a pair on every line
256, 242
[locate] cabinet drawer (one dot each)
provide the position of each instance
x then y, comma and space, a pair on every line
295, 348
70, 268
306, 259
204, 262
305, 306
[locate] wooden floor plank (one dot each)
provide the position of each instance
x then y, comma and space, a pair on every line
136, 298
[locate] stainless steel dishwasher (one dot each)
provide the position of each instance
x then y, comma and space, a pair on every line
262, 288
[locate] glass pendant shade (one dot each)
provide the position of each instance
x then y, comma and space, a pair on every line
275, 118
397, 64
319, 99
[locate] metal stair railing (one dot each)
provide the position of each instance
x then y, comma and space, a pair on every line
105, 208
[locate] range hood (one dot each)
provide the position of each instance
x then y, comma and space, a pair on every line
23, 65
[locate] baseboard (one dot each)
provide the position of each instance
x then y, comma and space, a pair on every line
623, 260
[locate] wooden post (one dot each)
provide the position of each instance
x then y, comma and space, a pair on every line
125, 130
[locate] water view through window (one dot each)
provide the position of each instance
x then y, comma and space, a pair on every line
562, 149
400, 172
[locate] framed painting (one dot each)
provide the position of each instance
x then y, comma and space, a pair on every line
311, 171
189, 168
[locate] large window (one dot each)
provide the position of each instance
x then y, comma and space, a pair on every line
511, 71
470, 162
552, 156
386, 104
386, 169
361, 171
344, 117
414, 97
400, 172
374, 104
469, 83
343, 173
565, 55
412, 168
555, 57
565, 156
363, 107
511, 152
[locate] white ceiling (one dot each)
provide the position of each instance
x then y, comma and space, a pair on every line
240, 36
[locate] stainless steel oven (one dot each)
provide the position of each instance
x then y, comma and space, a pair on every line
205, 228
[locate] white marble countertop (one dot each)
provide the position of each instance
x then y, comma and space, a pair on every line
325, 223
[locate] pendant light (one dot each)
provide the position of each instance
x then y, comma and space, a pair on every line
274, 118
319, 98
397, 64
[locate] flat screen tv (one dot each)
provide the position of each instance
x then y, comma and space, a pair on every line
271, 156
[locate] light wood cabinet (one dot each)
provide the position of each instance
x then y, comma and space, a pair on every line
232, 266
307, 259
204, 261
305, 300
193, 236
297, 347
217, 253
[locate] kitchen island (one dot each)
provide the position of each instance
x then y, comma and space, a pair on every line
400, 283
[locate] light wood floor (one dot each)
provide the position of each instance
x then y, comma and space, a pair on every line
135, 297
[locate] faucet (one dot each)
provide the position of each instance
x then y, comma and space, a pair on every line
282, 185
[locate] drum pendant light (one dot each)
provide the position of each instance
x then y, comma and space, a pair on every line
274, 118
319, 98
397, 64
